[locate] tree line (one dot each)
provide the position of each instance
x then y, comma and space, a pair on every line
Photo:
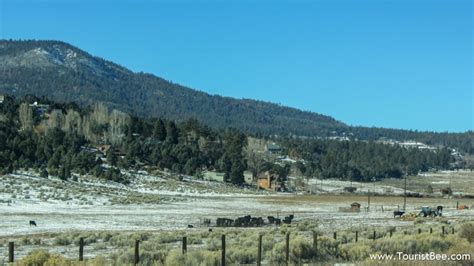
187, 147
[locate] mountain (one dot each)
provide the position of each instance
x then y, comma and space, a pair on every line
64, 73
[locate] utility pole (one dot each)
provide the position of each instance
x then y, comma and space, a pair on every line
405, 194
368, 200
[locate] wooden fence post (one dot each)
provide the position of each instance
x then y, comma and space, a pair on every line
137, 251
391, 232
374, 235
452, 229
11, 252
81, 249
335, 235
185, 243
419, 230
457, 205
315, 241
431, 230
287, 249
259, 254
223, 251
442, 230
357, 236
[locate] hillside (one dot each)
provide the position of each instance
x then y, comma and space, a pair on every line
64, 73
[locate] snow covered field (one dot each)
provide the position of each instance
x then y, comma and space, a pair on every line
156, 203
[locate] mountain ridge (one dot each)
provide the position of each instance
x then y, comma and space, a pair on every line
37, 58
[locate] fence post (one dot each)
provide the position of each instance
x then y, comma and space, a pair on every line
223, 251
11, 252
335, 235
287, 248
419, 230
391, 232
457, 205
442, 230
81, 249
431, 230
374, 235
357, 236
452, 229
382, 208
315, 241
137, 252
185, 243
259, 254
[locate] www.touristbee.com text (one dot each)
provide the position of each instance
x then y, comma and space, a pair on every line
430, 256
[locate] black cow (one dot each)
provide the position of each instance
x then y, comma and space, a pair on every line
440, 210
257, 221
271, 219
32, 223
278, 221
398, 213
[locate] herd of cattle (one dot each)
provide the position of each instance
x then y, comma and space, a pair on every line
249, 221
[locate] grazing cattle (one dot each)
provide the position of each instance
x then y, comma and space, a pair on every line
32, 223
271, 219
257, 221
221, 222
398, 213
278, 221
210, 230
207, 222
190, 226
439, 209
288, 219
224, 222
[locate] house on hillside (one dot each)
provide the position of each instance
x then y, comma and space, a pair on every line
270, 181
273, 148
41, 109
214, 176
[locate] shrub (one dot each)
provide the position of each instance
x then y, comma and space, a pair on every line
201, 257
301, 249
37, 257
242, 255
467, 232
62, 240
43, 258
355, 252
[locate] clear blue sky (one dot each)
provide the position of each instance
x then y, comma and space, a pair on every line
399, 64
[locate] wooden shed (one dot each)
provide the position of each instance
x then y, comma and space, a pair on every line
355, 207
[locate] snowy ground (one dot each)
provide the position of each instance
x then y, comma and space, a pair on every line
159, 203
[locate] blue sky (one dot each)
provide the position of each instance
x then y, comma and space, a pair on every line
398, 64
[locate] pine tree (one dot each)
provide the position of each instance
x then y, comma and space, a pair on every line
159, 131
